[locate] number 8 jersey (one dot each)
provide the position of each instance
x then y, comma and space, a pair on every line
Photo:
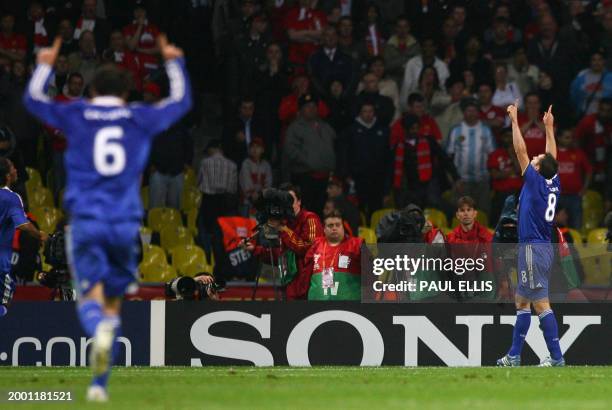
537, 204
108, 143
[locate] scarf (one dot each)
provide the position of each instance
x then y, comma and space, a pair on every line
424, 167
40, 35
83, 25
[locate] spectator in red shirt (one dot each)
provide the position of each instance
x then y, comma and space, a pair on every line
594, 135
505, 173
427, 124
304, 25
141, 38
532, 126
575, 173
471, 240
13, 46
493, 116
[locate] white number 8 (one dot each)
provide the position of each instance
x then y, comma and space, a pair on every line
550, 211
109, 156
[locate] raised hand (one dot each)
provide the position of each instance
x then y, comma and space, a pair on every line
549, 119
167, 50
48, 55
513, 111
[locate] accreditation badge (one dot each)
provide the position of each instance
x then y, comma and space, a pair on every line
328, 278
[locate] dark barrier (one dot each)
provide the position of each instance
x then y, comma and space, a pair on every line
302, 334
48, 333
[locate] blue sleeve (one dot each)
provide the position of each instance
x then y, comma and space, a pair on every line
38, 103
16, 212
160, 116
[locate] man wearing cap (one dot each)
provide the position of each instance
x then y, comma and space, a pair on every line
470, 143
309, 156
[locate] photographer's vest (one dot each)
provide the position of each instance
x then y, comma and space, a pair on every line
336, 270
234, 230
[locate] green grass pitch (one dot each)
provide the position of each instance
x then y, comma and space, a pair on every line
323, 387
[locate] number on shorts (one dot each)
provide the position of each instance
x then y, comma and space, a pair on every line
549, 215
109, 155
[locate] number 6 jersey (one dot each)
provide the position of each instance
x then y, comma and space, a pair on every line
537, 204
108, 143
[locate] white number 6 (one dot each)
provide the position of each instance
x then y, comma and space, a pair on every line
550, 210
109, 155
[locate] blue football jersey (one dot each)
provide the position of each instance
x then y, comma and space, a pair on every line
108, 143
11, 216
537, 204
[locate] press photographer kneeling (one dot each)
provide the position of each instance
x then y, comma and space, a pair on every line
286, 233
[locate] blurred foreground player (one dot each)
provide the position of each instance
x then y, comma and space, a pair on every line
108, 148
536, 214
12, 216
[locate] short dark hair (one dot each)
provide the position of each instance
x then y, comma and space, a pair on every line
415, 97
466, 200
548, 166
5, 169
287, 186
111, 79
75, 75
532, 94
333, 214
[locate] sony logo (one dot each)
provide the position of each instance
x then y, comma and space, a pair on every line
416, 328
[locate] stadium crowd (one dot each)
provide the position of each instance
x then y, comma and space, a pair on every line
360, 105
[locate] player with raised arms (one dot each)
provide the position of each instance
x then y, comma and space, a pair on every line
536, 213
108, 148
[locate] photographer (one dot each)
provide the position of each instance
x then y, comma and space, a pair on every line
201, 287
333, 263
407, 230
295, 236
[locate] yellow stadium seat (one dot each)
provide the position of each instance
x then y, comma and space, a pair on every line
151, 272
448, 196
367, 234
47, 218
30, 186
190, 199
34, 177
597, 235
154, 255
144, 197
190, 179
436, 217
189, 260
171, 236
377, 216
157, 218
576, 236
145, 235
192, 221
362, 219
592, 200
40, 197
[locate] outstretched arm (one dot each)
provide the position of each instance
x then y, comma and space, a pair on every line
35, 99
549, 124
517, 138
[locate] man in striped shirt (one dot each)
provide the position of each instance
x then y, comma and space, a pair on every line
218, 182
469, 143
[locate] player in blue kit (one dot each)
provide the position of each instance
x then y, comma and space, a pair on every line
12, 216
536, 213
108, 149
